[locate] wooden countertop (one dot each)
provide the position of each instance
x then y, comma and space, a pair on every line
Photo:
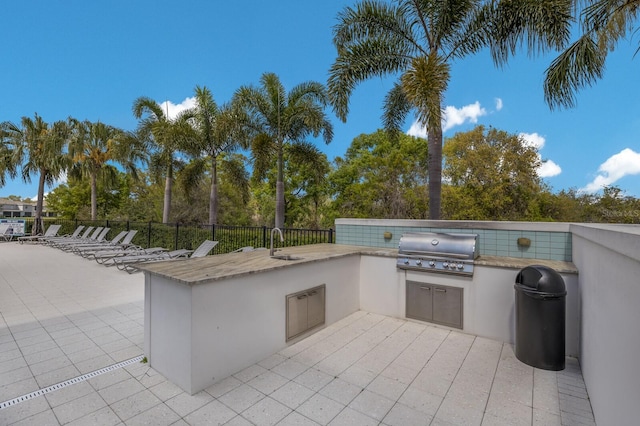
214, 268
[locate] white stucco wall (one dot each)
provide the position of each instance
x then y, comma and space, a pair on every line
210, 331
489, 298
608, 258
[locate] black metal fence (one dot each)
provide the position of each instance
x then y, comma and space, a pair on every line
177, 236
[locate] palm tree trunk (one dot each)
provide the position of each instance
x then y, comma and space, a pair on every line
213, 197
94, 197
280, 191
435, 170
167, 195
38, 227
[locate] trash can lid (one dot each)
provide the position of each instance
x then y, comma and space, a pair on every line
542, 279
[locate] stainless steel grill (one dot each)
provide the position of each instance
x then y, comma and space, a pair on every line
438, 252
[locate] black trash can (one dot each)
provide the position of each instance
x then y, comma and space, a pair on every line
540, 317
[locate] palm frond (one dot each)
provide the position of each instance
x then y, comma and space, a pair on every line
424, 85
263, 148
580, 65
395, 110
539, 26
360, 62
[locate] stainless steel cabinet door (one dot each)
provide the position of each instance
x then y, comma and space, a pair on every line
447, 306
305, 310
296, 314
315, 307
419, 301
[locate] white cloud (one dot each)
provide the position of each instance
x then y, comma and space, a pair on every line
548, 168
417, 130
624, 163
468, 113
452, 117
172, 110
533, 139
498, 104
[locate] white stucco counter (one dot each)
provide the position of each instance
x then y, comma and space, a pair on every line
208, 318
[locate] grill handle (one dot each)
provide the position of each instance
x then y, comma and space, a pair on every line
435, 254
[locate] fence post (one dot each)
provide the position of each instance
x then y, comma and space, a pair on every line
213, 232
128, 226
264, 236
176, 244
330, 235
149, 236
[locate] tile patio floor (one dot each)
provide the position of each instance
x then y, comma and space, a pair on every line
62, 316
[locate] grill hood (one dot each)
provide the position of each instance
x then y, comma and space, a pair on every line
454, 246
438, 252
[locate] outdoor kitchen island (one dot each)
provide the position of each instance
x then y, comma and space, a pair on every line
208, 318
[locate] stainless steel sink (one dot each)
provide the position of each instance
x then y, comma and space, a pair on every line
286, 257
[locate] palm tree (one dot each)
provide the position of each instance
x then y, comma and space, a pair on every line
418, 41
8, 164
278, 119
168, 136
40, 148
219, 129
93, 146
604, 23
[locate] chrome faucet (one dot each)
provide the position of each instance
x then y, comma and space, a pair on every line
271, 251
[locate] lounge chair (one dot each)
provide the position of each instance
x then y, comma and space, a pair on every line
130, 263
97, 237
120, 242
89, 234
97, 233
80, 248
107, 258
74, 237
75, 234
52, 231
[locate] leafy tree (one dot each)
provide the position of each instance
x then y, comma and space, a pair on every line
491, 174
143, 201
169, 137
93, 146
306, 188
233, 192
219, 129
381, 178
72, 199
419, 41
603, 24
40, 149
278, 119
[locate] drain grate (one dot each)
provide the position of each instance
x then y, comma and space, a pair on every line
69, 382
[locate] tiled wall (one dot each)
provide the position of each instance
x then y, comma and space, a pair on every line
546, 245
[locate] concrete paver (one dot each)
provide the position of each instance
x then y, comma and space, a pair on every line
62, 316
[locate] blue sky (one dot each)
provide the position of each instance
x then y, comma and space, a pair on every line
90, 60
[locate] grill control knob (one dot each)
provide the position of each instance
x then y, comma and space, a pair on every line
460, 266
445, 265
406, 261
432, 263
419, 262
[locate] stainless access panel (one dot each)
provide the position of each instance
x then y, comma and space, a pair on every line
296, 314
419, 301
315, 307
447, 306
305, 310
434, 303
